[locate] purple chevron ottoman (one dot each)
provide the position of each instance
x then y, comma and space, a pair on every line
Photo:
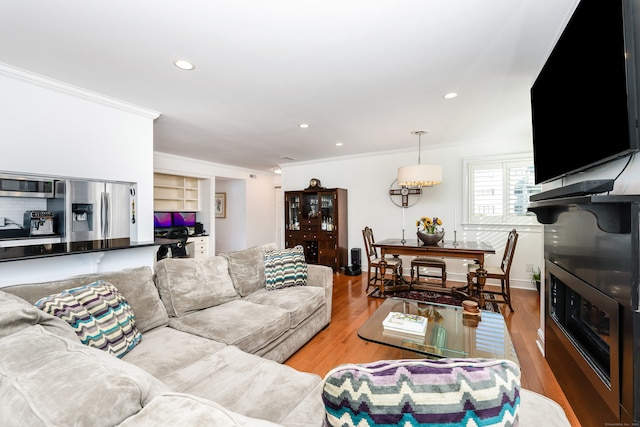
423, 392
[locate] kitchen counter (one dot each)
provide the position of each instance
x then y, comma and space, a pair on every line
18, 253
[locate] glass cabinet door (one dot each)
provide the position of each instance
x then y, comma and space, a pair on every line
310, 206
293, 212
327, 211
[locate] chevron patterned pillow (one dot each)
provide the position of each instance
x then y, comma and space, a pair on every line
98, 313
445, 392
285, 268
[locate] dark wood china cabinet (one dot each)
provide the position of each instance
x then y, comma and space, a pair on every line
317, 220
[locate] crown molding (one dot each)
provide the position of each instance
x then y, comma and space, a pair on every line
67, 89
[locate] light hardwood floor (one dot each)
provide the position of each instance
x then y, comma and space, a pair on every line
339, 343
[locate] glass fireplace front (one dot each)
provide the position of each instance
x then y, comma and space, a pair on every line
588, 319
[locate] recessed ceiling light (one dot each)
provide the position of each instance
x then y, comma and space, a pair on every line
450, 95
277, 171
183, 64
338, 144
303, 125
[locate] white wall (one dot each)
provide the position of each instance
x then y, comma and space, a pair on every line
231, 230
368, 179
49, 128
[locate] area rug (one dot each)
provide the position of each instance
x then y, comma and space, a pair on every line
436, 297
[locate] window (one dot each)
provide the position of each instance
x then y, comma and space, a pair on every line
499, 190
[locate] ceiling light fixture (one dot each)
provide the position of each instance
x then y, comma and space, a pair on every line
183, 64
450, 95
339, 144
419, 175
303, 125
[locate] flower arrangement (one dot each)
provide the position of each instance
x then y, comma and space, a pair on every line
429, 225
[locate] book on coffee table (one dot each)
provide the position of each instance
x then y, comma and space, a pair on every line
406, 323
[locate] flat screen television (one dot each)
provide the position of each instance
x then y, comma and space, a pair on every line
162, 220
583, 102
184, 219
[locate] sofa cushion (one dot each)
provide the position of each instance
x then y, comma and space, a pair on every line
285, 268
135, 284
167, 350
246, 268
98, 313
426, 392
248, 384
178, 409
46, 379
17, 314
300, 301
241, 323
188, 284
138, 287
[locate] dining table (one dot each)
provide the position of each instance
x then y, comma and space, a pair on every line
471, 250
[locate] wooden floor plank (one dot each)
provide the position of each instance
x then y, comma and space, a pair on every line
339, 343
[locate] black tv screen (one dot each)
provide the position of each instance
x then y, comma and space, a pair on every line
184, 219
162, 220
583, 102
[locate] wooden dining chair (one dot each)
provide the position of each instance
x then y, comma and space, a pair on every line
500, 272
374, 276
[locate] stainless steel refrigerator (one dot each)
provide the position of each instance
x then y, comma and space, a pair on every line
92, 210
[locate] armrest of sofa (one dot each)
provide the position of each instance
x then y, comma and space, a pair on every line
322, 276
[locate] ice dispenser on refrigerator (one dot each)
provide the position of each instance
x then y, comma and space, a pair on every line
93, 210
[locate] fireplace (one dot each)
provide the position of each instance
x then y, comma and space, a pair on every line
587, 323
592, 256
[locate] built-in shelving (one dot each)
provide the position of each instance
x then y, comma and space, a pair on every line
175, 193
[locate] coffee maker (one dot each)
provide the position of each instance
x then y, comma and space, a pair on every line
39, 223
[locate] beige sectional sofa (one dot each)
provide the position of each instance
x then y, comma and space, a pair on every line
212, 337
212, 340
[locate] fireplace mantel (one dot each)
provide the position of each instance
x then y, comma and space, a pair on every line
612, 211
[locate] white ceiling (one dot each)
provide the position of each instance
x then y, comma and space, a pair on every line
364, 73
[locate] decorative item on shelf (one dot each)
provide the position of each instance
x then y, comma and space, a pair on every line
439, 337
314, 184
470, 307
430, 313
432, 232
470, 313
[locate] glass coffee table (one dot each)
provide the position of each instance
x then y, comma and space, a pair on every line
450, 332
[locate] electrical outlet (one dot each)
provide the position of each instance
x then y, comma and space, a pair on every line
529, 268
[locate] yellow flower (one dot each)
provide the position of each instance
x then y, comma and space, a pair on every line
429, 225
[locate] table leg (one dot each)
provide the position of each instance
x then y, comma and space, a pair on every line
481, 278
475, 291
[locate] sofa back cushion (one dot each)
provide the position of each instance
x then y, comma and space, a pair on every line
135, 284
17, 314
191, 284
464, 392
246, 268
49, 380
99, 315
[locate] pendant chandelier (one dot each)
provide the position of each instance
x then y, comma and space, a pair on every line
419, 175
